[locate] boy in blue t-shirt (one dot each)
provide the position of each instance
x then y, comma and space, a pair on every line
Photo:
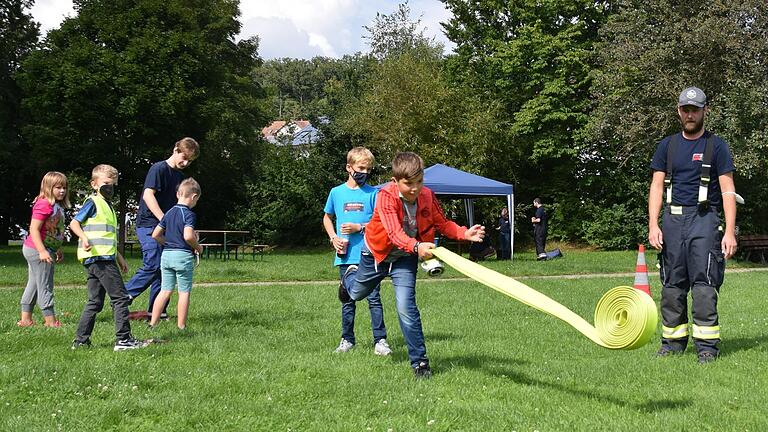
157, 197
351, 204
176, 234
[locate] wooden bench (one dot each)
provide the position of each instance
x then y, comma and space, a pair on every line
218, 248
129, 244
256, 249
749, 244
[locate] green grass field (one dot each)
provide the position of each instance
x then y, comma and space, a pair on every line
261, 358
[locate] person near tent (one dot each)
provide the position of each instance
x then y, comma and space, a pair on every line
697, 168
539, 221
504, 252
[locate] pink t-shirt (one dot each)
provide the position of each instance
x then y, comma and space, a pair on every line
52, 229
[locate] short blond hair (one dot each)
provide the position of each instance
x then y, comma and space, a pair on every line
358, 154
189, 187
104, 170
407, 165
50, 180
188, 146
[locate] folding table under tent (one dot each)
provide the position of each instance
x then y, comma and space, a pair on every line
454, 183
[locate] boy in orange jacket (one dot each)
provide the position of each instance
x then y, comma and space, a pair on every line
401, 232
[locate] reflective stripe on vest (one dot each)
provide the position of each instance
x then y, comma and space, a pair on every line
101, 231
706, 164
678, 332
706, 332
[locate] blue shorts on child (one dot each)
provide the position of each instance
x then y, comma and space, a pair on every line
177, 266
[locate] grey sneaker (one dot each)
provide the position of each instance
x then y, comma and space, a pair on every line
666, 351
707, 357
76, 344
129, 344
344, 346
422, 370
382, 348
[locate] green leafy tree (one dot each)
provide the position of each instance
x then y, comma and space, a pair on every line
651, 50
397, 33
18, 37
534, 58
123, 80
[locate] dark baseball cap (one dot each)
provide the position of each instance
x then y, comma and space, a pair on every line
692, 96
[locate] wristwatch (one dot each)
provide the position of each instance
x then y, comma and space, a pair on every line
416, 247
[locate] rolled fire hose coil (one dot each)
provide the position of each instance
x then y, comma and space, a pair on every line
625, 318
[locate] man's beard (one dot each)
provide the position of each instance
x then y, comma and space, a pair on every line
692, 128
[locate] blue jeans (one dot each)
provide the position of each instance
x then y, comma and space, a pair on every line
369, 275
374, 306
149, 273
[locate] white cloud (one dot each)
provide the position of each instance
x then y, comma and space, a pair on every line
50, 13
317, 40
298, 28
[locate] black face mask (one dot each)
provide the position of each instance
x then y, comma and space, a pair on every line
107, 191
360, 177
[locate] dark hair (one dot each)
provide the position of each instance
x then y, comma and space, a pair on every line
407, 165
537, 200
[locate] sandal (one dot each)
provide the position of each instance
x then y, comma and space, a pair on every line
29, 323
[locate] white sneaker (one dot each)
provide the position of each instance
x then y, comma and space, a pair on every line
382, 348
344, 346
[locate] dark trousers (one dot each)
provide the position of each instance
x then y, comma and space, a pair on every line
505, 251
691, 261
104, 278
540, 237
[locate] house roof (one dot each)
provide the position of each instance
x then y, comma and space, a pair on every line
272, 128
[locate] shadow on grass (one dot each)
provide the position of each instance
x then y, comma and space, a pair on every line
732, 346
498, 367
234, 317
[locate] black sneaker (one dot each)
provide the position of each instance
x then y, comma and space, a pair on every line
707, 357
129, 344
666, 351
77, 344
422, 371
163, 316
343, 293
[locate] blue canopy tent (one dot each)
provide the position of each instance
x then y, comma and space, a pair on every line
454, 183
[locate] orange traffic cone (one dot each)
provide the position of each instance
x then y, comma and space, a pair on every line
641, 272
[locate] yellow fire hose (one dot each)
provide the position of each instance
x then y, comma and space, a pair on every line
625, 318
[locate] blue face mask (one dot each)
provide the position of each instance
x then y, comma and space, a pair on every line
360, 177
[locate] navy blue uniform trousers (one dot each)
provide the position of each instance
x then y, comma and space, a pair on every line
691, 260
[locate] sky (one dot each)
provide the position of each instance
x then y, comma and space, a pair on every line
299, 28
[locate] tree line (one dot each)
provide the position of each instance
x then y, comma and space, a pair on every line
565, 99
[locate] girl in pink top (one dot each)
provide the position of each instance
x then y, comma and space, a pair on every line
42, 246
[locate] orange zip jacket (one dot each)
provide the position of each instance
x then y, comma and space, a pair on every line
385, 230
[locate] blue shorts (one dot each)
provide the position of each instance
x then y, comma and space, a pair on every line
177, 266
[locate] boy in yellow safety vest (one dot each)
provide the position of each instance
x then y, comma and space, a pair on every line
96, 226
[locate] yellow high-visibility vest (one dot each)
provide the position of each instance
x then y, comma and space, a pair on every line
101, 231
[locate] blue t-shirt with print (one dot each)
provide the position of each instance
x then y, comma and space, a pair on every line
164, 180
351, 205
87, 211
174, 221
686, 173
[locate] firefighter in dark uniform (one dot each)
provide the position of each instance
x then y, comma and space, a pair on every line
695, 168
539, 221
